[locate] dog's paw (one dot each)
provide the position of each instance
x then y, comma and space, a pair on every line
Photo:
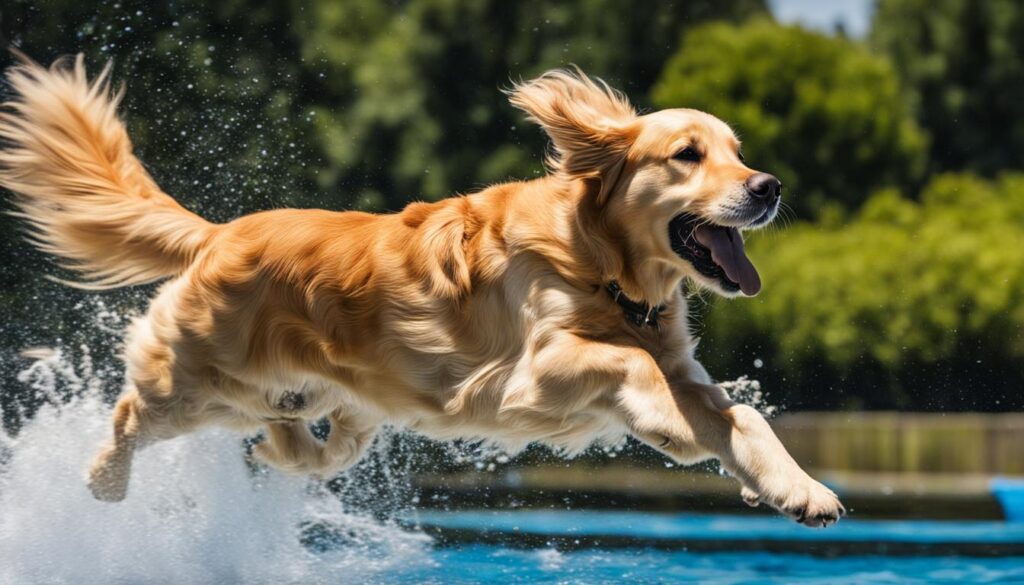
108, 477
812, 504
750, 497
106, 487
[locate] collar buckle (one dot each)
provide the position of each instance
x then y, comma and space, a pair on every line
638, 313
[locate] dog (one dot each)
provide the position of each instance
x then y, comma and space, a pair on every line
548, 310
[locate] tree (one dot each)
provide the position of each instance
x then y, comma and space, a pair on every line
412, 106
911, 303
822, 113
345, 104
962, 61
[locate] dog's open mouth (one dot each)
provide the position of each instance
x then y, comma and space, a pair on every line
714, 251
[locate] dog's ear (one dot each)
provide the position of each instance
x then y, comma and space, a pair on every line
590, 124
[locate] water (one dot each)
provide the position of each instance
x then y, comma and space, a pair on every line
198, 513
702, 528
477, 564
582, 546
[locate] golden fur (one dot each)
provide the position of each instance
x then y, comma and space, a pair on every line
478, 316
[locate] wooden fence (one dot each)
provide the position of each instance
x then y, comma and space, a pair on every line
906, 442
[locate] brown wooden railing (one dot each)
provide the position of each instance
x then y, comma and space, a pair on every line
906, 442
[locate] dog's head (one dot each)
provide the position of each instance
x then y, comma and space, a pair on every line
673, 183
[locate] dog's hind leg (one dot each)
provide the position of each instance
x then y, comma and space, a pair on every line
140, 418
291, 446
108, 476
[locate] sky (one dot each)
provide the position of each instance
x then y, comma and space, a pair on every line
823, 14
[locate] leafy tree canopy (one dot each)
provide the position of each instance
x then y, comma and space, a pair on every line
902, 287
366, 103
962, 62
822, 113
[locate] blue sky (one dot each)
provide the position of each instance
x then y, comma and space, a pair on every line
823, 14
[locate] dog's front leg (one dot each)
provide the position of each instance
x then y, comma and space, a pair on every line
692, 421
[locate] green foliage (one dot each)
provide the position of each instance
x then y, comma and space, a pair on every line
411, 106
820, 112
903, 286
345, 104
962, 62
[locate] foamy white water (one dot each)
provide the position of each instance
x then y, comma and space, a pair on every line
195, 511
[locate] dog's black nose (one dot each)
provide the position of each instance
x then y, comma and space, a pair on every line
764, 186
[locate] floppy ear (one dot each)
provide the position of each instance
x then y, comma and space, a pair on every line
590, 124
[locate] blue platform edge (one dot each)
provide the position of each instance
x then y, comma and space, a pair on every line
1009, 492
688, 526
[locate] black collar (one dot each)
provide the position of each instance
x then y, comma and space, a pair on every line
637, 313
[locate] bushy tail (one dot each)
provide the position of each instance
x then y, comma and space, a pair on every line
68, 159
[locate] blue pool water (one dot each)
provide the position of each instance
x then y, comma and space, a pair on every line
490, 564
654, 527
655, 548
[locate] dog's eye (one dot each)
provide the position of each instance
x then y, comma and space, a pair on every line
688, 154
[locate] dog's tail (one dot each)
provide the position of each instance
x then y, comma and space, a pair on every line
66, 156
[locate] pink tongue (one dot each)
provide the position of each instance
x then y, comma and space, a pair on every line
726, 247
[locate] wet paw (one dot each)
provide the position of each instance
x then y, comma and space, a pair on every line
813, 505
108, 477
750, 497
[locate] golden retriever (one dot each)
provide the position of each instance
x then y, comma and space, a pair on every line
547, 310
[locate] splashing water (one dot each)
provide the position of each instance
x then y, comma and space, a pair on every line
195, 513
747, 391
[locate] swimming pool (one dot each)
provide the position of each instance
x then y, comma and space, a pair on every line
562, 546
493, 564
